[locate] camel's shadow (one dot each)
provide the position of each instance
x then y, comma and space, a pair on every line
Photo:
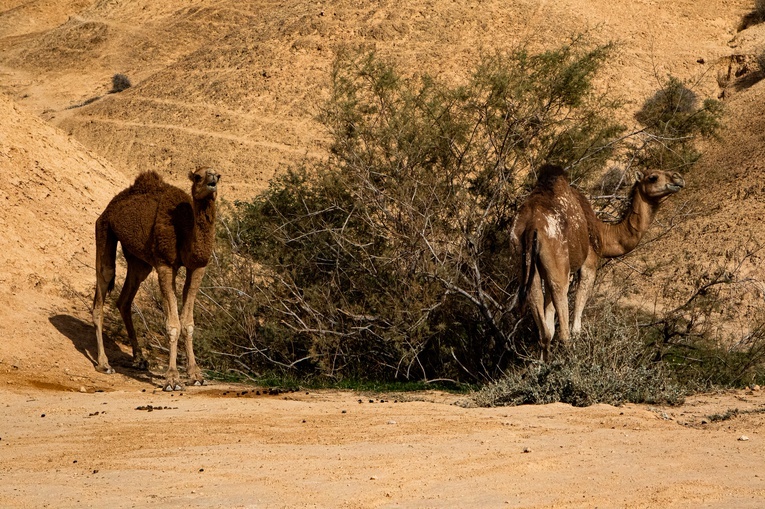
83, 336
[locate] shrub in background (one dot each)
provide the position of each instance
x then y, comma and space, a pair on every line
390, 260
759, 5
120, 82
673, 120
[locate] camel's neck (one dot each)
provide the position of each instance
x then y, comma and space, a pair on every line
203, 236
621, 238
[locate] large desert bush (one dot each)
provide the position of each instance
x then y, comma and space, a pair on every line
391, 260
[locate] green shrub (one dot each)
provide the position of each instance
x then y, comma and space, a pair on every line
390, 260
673, 120
120, 82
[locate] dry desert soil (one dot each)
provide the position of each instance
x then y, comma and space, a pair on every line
236, 85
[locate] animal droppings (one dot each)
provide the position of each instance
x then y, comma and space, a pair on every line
151, 408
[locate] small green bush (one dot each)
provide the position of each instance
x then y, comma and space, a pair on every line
759, 5
608, 364
120, 82
673, 120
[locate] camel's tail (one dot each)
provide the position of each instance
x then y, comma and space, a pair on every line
106, 259
529, 256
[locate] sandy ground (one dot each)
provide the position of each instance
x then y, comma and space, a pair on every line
230, 446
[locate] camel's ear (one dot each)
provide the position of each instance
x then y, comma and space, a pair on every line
639, 176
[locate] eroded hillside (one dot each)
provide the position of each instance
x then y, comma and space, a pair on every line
52, 191
238, 84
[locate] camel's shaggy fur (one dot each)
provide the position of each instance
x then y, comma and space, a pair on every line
556, 233
162, 227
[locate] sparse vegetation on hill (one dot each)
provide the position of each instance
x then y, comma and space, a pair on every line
673, 119
759, 5
120, 82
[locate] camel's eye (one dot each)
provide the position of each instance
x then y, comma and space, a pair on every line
197, 178
653, 178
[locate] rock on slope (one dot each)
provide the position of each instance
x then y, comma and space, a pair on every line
51, 192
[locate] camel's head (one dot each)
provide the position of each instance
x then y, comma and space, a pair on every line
657, 185
205, 183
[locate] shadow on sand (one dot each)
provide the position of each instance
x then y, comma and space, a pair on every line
83, 336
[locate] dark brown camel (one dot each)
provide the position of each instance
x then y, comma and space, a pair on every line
556, 233
161, 227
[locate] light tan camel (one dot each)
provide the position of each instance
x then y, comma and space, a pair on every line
161, 227
556, 233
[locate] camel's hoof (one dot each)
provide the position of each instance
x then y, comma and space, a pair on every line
105, 369
142, 364
171, 387
199, 383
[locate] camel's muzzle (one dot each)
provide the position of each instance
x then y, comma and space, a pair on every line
678, 182
212, 181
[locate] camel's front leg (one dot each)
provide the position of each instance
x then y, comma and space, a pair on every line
190, 289
166, 276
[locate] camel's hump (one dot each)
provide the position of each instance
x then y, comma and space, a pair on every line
549, 173
148, 182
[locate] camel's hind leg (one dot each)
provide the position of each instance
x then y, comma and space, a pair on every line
106, 253
137, 271
555, 274
543, 314
190, 289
